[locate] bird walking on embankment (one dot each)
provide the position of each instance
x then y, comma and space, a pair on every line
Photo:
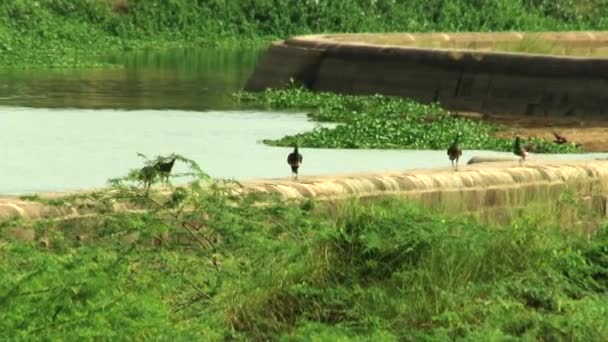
454, 152
294, 159
164, 169
519, 150
146, 176
148, 173
559, 139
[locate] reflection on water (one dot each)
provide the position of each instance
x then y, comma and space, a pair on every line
188, 79
62, 149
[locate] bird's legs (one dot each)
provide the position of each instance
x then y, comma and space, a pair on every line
456, 169
165, 180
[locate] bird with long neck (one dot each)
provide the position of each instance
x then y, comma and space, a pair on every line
519, 150
164, 169
454, 152
146, 176
294, 159
559, 139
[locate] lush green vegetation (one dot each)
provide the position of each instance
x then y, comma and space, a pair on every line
67, 33
202, 263
385, 122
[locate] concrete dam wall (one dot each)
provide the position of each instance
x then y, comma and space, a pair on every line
474, 188
465, 78
482, 187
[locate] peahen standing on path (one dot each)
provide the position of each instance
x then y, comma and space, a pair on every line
146, 176
164, 169
294, 159
519, 150
454, 152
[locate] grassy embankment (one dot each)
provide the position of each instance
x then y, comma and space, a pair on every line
530, 43
202, 264
67, 33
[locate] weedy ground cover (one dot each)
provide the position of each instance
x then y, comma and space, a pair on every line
67, 33
202, 262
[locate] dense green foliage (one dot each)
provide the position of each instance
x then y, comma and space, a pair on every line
202, 263
385, 122
234, 269
67, 32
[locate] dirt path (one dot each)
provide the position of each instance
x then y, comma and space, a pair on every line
591, 134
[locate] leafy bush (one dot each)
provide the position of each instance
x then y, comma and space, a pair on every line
209, 262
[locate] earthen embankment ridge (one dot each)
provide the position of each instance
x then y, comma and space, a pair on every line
474, 188
469, 77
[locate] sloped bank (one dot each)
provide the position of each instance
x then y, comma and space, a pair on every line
460, 79
486, 188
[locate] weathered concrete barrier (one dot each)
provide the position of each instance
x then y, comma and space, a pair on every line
460, 79
473, 188
479, 159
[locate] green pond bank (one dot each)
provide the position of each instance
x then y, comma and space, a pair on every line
376, 121
202, 264
64, 33
229, 268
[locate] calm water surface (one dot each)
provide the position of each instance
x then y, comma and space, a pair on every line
188, 79
73, 129
66, 149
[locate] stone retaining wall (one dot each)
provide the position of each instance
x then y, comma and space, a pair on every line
460, 79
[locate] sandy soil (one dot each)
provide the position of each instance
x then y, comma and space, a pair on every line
591, 134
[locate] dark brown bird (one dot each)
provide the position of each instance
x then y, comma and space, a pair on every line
559, 139
164, 169
519, 150
294, 159
147, 175
454, 152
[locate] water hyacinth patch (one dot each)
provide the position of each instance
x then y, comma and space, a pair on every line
385, 122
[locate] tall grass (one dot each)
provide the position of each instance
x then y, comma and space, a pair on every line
202, 263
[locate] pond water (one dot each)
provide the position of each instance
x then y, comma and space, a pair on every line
188, 79
75, 129
67, 149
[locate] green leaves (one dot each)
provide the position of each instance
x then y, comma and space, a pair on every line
52, 32
385, 122
354, 270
